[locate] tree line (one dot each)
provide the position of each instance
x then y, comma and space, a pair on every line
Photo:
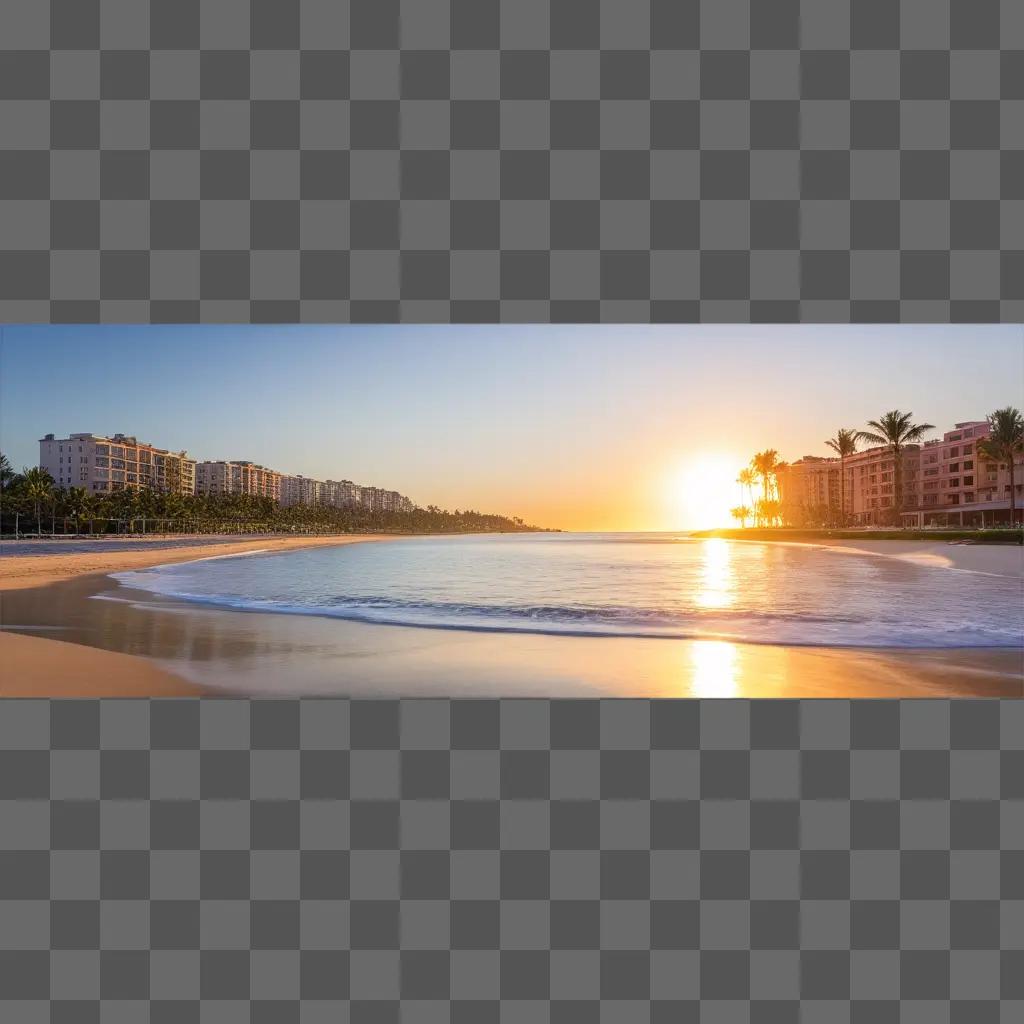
893, 430
31, 504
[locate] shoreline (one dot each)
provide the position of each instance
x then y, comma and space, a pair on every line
37, 570
42, 666
992, 559
140, 644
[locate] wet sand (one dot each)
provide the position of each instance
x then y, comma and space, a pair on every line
34, 664
998, 559
235, 653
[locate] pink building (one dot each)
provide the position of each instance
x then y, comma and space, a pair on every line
957, 488
810, 492
944, 484
871, 484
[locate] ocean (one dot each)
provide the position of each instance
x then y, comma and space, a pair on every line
608, 585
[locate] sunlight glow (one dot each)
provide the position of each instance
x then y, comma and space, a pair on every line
714, 669
707, 491
717, 581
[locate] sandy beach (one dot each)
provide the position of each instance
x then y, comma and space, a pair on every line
40, 665
46, 561
36, 666
999, 559
58, 640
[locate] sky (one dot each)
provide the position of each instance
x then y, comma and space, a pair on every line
576, 427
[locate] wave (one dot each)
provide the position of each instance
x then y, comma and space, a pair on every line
798, 629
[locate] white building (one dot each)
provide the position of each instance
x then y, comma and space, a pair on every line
301, 490
104, 464
225, 477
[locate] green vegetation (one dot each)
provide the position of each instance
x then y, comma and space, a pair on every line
742, 513
843, 444
766, 465
1004, 536
895, 430
1005, 440
29, 504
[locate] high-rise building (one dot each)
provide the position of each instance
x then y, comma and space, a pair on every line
225, 477
301, 490
871, 483
959, 488
810, 491
944, 482
342, 493
377, 499
104, 464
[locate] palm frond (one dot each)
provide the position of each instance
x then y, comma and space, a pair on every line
867, 435
918, 431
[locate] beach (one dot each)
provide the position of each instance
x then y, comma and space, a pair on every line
39, 665
999, 559
69, 630
37, 563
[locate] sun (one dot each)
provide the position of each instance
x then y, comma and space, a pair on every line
706, 491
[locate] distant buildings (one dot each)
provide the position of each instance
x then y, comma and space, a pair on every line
376, 499
301, 490
944, 483
103, 464
238, 478
342, 493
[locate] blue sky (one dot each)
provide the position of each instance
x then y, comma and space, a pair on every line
576, 426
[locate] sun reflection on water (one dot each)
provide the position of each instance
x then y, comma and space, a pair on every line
714, 668
717, 579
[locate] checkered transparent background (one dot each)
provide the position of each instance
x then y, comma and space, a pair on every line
516, 160
512, 861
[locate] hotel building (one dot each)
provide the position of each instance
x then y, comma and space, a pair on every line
238, 478
957, 488
103, 464
377, 499
342, 493
944, 484
871, 483
809, 491
301, 490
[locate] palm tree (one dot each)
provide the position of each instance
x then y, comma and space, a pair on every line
843, 444
896, 430
780, 469
763, 465
37, 486
6, 471
742, 513
78, 503
747, 479
1005, 440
